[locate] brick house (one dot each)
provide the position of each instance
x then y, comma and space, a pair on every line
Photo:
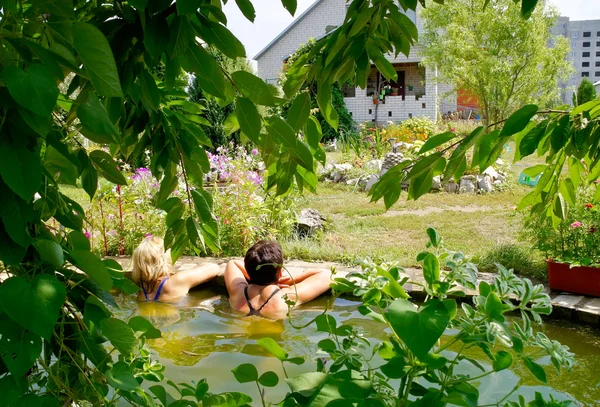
418, 93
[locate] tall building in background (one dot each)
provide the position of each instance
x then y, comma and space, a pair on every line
585, 51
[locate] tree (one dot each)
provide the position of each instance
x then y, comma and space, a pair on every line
493, 53
346, 123
585, 92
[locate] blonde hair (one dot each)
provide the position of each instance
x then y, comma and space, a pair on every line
150, 263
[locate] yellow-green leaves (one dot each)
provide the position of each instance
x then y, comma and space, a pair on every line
98, 60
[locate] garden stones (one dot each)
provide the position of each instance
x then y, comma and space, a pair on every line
391, 160
309, 222
467, 184
374, 165
371, 181
452, 187
484, 183
436, 183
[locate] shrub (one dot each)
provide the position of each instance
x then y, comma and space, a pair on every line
413, 129
586, 92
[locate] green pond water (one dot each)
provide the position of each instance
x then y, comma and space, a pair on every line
203, 338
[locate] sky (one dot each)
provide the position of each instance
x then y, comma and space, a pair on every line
272, 18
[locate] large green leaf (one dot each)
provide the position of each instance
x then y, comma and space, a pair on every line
108, 167
120, 377
537, 370
119, 334
431, 269
208, 72
150, 91
221, 38
247, 9
245, 373
156, 36
290, 5
248, 118
34, 89
299, 111
518, 120
345, 388
529, 143
253, 88
19, 348
141, 324
527, 7
269, 379
98, 60
436, 141
203, 203
92, 266
419, 328
36, 305
96, 124
50, 252
273, 347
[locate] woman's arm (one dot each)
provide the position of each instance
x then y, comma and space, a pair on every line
235, 281
298, 276
192, 278
311, 287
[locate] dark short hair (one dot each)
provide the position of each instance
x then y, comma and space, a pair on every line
263, 261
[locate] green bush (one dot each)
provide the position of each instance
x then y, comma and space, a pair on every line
586, 92
522, 260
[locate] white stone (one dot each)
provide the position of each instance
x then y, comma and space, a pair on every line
436, 183
353, 181
451, 188
497, 183
467, 185
499, 162
500, 177
491, 171
484, 183
370, 181
343, 167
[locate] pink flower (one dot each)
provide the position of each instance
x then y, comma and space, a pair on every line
254, 151
87, 234
148, 235
576, 224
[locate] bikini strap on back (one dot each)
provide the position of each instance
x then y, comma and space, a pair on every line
252, 310
162, 283
269, 299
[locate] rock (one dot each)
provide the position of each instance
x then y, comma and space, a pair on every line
309, 222
343, 167
374, 165
484, 183
401, 146
332, 146
353, 181
370, 181
437, 183
338, 177
497, 183
467, 184
491, 171
451, 187
500, 162
500, 177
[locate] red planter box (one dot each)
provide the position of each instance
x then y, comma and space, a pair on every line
580, 280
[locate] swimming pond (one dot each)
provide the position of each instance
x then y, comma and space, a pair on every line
204, 338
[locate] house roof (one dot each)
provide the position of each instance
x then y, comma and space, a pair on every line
288, 28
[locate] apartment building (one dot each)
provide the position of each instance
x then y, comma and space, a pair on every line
585, 51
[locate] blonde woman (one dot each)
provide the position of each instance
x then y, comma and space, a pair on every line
153, 273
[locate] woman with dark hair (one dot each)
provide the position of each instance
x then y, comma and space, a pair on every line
257, 286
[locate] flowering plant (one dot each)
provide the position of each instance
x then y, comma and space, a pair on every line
576, 239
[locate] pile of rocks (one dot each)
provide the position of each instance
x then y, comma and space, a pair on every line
309, 222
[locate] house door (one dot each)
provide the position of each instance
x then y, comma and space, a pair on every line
399, 84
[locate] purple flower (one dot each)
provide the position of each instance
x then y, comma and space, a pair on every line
87, 234
112, 232
147, 235
576, 224
254, 151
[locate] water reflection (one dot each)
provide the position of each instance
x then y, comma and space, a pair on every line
203, 337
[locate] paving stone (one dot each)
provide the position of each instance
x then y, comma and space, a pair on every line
566, 300
592, 306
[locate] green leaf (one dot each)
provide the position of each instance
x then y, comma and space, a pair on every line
248, 118
290, 5
150, 91
493, 306
207, 70
567, 191
19, 348
325, 104
63, 8
299, 111
20, 169
247, 9
326, 323
221, 38
503, 360
419, 328
120, 377
34, 89
203, 203
269, 379
187, 6
96, 124
50, 252
108, 167
98, 59
560, 207
119, 334
253, 88
89, 175
395, 368
141, 324
535, 170
159, 391
518, 120
273, 347
527, 7
431, 269
436, 141
434, 237
559, 138
537, 370
36, 305
156, 36
93, 267
529, 143
245, 373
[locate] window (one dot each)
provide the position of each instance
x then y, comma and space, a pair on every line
585, 55
598, 53
585, 64
390, 113
574, 35
587, 34
585, 74
597, 63
586, 45
598, 34
597, 74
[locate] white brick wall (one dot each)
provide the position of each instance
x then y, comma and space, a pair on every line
332, 13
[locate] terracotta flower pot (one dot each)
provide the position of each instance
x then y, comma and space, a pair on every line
375, 101
580, 279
